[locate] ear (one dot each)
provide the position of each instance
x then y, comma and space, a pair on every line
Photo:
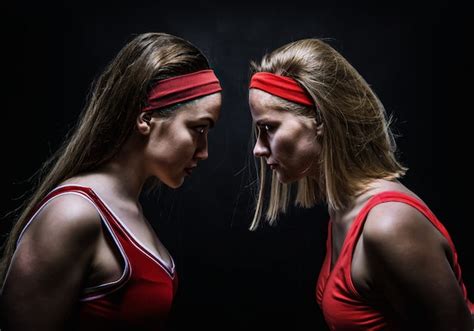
319, 129
143, 123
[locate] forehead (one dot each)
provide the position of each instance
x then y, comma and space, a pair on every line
208, 106
264, 104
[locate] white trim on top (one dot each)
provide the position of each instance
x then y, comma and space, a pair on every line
170, 270
127, 267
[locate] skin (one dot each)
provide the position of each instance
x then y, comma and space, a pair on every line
286, 141
400, 257
176, 146
65, 249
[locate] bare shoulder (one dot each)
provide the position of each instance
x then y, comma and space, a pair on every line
66, 218
408, 261
397, 232
395, 221
50, 263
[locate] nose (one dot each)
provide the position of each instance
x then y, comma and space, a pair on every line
260, 149
201, 149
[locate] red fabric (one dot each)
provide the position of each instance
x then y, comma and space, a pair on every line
342, 305
283, 87
182, 88
142, 299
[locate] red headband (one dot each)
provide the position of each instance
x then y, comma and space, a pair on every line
182, 88
283, 87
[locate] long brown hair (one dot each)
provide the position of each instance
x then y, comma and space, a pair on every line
357, 143
109, 115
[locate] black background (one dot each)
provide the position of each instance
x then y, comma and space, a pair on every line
414, 57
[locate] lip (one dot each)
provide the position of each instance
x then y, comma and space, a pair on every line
189, 170
273, 166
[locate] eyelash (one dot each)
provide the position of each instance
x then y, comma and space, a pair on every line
201, 129
265, 127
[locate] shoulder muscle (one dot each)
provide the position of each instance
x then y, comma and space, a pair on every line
408, 262
64, 230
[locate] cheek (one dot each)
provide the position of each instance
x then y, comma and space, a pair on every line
282, 146
296, 150
181, 148
174, 148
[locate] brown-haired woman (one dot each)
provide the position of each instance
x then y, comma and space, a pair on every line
390, 263
82, 255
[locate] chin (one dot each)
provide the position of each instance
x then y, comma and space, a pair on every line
174, 184
285, 179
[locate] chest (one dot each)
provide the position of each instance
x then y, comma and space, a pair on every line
347, 254
127, 237
137, 227
344, 286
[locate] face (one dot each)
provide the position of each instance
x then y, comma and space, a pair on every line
285, 140
177, 143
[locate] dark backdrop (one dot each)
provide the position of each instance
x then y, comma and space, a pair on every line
414, 58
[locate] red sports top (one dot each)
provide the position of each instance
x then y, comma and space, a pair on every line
343, 307
141, 298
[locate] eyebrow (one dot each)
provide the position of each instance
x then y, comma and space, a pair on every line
264, 120
280, 108
210, 120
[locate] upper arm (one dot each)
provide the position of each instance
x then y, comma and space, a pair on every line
49, 264
408, 262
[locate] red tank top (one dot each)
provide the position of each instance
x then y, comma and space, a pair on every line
343, 307
141, 298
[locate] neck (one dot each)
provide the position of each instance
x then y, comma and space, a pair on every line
358, 201
344, 216
123, 180
126, 173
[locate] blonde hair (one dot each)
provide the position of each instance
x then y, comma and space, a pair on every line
109, 116
357, 145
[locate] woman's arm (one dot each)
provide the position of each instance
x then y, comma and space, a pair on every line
409, 264
49, 266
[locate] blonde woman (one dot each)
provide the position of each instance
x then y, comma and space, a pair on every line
390, 263
82, 256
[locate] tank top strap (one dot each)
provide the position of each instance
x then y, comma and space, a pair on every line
108, 219
113, 229
124, 239
391, 196
90, 195
82, 191
119, 235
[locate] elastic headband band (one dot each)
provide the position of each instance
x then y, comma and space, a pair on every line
182, 88
283, 87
